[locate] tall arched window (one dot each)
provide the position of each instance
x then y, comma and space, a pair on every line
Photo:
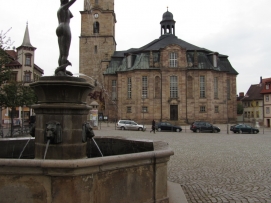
96, 27
173, 87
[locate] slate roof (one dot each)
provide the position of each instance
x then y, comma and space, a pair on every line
164, 41
204, 56
156, 45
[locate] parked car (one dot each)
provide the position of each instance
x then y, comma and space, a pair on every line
129, 125
202, 126
242, 128
164, 126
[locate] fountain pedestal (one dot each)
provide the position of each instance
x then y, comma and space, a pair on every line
61, 99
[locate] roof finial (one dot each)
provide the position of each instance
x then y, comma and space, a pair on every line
167, 8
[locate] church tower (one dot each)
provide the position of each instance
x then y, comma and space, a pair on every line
97, 40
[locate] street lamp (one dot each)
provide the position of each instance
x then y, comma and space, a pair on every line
143, 108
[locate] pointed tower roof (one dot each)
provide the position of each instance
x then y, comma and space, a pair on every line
26, 40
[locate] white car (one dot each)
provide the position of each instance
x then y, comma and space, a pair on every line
129, 125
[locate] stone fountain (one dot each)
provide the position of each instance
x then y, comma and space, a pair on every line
62, 164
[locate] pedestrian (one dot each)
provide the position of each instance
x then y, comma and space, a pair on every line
152, 126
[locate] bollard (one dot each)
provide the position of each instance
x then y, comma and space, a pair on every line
227, 128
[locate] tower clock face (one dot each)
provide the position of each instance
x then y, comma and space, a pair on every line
96, 15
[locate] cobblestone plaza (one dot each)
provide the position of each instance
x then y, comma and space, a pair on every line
214, 167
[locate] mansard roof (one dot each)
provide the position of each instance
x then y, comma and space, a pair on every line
140, 56
203, 56
163, 42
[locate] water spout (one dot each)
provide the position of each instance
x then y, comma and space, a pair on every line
97, 147
24, 147
47, 145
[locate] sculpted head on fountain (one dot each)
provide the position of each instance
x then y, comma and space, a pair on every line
63, 33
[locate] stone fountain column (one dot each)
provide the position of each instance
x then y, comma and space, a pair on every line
61, 100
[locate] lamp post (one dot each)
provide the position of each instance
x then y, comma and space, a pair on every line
143, 109
23, 118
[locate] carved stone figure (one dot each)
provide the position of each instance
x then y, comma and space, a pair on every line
53, 132
63, 33
87, 132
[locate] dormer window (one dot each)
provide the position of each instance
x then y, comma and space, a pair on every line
173, 60
129, 61
267, 86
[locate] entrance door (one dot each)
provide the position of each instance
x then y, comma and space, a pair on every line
174, 112
268, 123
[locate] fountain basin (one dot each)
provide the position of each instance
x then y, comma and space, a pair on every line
120, 176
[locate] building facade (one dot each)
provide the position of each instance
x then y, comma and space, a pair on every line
253, 105
266, 92
167, 79
23, 69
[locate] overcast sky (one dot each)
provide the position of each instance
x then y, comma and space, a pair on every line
240, 29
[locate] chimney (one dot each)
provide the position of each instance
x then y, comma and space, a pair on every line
241, 94
215, 59
261, 80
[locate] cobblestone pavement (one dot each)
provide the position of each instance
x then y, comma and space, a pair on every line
215, 168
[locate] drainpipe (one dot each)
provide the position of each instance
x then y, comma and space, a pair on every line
186, 99
161, 95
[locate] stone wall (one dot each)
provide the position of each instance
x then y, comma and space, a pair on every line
137, 177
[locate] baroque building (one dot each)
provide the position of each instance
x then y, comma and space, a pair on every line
167, 79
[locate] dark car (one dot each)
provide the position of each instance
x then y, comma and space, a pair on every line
202, 126
164, 126
242, 128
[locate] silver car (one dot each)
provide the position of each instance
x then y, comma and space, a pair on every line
129, 125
